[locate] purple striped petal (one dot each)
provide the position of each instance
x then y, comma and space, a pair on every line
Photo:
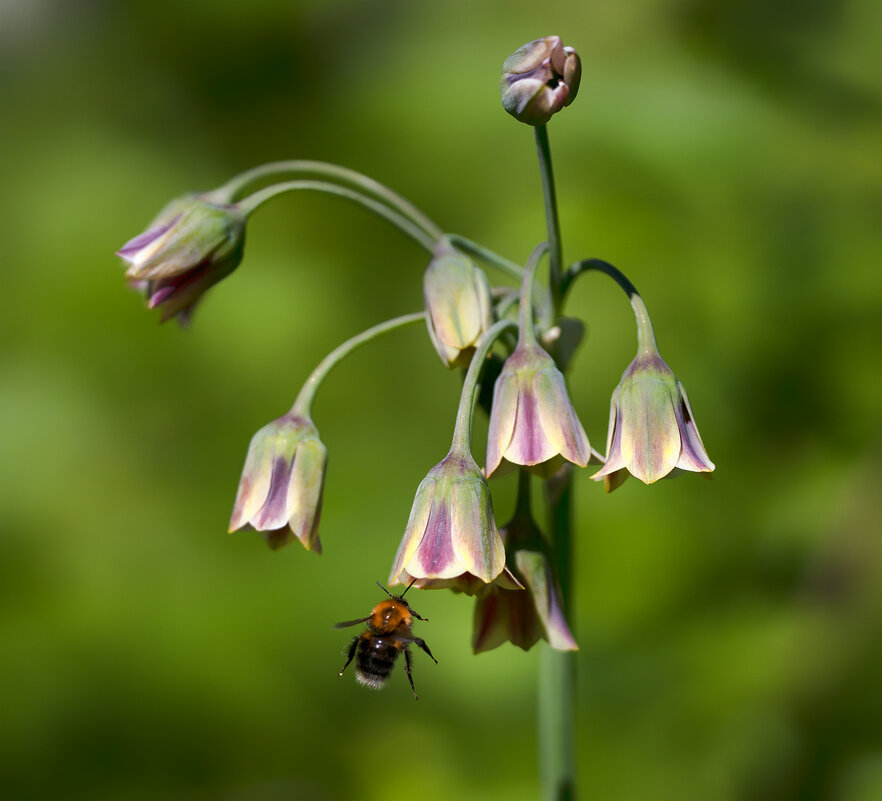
693, 455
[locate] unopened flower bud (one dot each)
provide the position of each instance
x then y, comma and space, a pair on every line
280, 493
190, 246
458, 304
539, 79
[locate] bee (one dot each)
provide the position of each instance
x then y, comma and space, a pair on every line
388, 634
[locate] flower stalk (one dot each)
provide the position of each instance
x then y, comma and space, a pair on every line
552, 221
238, 186
306, 396
404, 224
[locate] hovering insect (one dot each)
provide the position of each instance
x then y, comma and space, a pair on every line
388, 634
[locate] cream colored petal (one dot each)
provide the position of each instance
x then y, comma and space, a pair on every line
484, 299
559, 419
474, 536
693, 455
530, 444
305, 492
534, 567
451, 299
416, 526
502, 419
650, 437
614, 459
255, 482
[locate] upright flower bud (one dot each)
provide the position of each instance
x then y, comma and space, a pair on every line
280, 493
458, 305
532, 420
191, 245
451, 532
539, 79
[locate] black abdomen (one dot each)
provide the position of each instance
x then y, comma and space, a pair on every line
374, 661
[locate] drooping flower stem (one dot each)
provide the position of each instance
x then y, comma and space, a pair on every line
462, 432
404, 224
526, 331
551, 219
303, 404
557, 669
480, 252
238, 186
645, 332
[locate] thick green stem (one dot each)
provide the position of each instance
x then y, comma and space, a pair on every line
238, 186
303, 404
551, 219
557, 669
252, 202
462, 435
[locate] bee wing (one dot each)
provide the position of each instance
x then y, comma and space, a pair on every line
346, 623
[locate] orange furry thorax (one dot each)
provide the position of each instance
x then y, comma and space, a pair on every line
389, 617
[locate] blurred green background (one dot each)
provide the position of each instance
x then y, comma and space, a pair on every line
726, 155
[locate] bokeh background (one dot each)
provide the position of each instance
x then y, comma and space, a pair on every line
725, 154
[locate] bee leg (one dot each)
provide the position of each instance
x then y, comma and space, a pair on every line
422, 644
409, 676
351, 655
424, 619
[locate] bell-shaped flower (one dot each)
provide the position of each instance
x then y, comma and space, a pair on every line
280, 493
525, 617
532, 420
539, 79
458, 304
651, 426
451, 532
191, 245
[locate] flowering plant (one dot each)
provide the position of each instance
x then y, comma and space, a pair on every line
520, 574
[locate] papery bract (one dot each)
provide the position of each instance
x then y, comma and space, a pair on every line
280, 493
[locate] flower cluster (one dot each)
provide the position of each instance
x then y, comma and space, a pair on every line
451, 539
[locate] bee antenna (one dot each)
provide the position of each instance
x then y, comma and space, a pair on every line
386, 591
407, 588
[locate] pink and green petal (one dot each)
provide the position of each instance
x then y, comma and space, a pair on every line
416, 526
475, 540
650, 444
502, 419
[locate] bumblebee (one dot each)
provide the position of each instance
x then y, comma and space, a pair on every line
387, 635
